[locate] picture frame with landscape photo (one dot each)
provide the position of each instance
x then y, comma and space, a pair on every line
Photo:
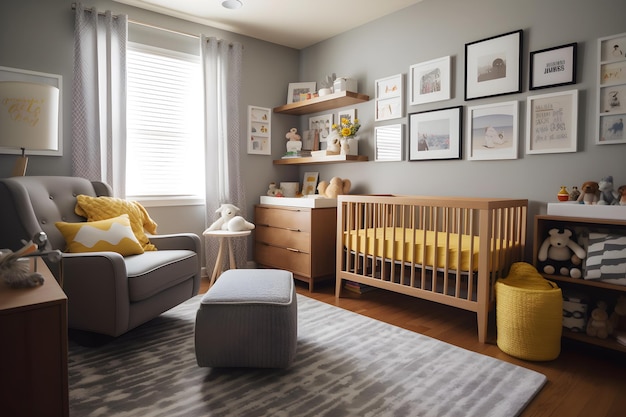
389, 100
295, 91
493, 66
430, 81
435, 134
553, 67
492, 131
551, 122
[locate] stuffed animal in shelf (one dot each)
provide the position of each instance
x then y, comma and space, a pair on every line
335, 187
560, 254
599, 324
229, 220
608, 196
589, 193
622, 195
274, 191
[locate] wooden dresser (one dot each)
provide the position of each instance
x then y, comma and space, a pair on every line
298, 239
33, 349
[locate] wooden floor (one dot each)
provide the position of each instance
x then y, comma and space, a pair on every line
584, 381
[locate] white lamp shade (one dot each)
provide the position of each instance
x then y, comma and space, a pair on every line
29, 116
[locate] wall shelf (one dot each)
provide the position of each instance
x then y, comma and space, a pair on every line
317, 104
329, 159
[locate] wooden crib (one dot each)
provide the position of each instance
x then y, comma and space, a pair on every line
449, 250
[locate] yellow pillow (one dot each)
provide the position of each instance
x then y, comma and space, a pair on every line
111, 235
102, 208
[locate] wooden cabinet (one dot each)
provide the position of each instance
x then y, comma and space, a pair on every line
594, 289
297, 239
33, 350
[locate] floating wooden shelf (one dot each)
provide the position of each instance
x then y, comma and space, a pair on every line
329, 159
317, 104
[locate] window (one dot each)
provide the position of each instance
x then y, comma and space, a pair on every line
165, 123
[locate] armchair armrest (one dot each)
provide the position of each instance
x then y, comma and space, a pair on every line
189, 241
96, 286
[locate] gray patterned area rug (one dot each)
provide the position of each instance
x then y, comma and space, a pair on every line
347, 365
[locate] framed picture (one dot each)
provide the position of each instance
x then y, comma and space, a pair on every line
493, 66
553, 66
551, 122
349, 114
259, 130
492, 131
611, 90
435, 134
389, 98
300, 91
430, 81
323, 124
389, 142
309, 183
20, 75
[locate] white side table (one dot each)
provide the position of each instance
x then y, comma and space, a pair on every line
223, 236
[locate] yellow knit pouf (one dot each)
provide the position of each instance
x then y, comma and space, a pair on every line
529, 314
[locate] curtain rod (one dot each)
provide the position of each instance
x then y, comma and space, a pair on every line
148, 25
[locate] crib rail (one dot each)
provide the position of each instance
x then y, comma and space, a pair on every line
449, 250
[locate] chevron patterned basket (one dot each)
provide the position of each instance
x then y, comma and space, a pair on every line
529, 314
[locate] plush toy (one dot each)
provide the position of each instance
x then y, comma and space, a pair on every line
621, 191
333, 145
15, 272
574, 194
294, 144
274, 191
561, 254
335, 187
608, 196
229, 220
599, 324
589, 193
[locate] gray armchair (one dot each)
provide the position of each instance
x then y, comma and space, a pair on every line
107, 293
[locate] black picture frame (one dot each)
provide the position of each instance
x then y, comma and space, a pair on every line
553, 67
441, 132
493, 66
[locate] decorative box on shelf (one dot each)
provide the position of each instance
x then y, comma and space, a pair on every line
591, 211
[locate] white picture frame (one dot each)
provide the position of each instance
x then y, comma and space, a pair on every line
295, 91
389, 143
611, 90
259, 130
492, 131
349, 114
323, 124
55, 80
551, 122
389, 101
430, 81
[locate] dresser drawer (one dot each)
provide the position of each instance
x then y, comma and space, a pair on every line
283, 238
272, 256
292, 219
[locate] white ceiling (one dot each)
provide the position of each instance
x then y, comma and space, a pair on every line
293, 23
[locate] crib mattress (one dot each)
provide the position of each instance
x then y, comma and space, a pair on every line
408, 246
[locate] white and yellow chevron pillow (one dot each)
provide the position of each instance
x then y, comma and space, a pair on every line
110, 235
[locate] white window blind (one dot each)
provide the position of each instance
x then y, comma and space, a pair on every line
165, 119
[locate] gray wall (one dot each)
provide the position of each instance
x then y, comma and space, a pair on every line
38, 35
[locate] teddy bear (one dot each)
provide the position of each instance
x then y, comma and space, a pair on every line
608, 196
599, 324
294, 144
229, 220
559, 253
621, 191
589, 193
274, 191
335, 187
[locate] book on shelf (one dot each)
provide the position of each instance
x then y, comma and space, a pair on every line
358, 287
297, 154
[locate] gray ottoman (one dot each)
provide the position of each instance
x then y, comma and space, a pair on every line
248, 318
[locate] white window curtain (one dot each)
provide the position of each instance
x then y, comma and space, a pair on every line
99, 98
221, 62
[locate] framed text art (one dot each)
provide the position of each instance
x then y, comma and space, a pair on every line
551, 122
435, 134
33, 77
553, 67
493, 66
492, 131
389, 142
259, 130
389, 98
430, 81
611, 91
